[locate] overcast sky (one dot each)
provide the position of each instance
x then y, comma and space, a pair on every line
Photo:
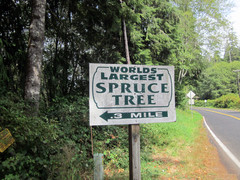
235, 17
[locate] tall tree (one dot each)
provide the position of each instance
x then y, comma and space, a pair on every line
79, 32
232, 51
212, 23
125, 39
35, 54
218, 79
13, 45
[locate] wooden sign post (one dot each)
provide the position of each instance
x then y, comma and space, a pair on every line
123, 94
134, 152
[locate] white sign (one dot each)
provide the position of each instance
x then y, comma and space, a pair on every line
191, 101
191, 94
131, 94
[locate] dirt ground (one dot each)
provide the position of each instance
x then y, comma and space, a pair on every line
202, 161
210, 158
198, 162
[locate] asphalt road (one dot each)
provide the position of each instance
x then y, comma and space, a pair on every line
225, 124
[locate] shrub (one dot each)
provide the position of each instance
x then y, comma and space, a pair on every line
36, 142
75, 157
228, 101
225, 101
55, 145
201, 103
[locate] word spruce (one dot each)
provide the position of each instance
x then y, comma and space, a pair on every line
131, 86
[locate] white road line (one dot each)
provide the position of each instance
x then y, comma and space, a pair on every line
225, 149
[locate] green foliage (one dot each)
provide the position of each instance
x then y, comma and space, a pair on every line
169, 134
168, 137
225, 101
211, 24
13, 44
112, 157
74, 158
35, 141
228, 101
181, 99
218, 79
201, 103
112, 141
232, 51
57, 143
80, 32
48, 146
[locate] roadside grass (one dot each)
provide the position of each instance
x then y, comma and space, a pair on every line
169, 141
161, 145
179, 150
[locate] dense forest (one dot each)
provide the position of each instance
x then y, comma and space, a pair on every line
192, 35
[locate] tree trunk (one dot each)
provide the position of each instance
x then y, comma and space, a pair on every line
230, 57
125, 39
35, 51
